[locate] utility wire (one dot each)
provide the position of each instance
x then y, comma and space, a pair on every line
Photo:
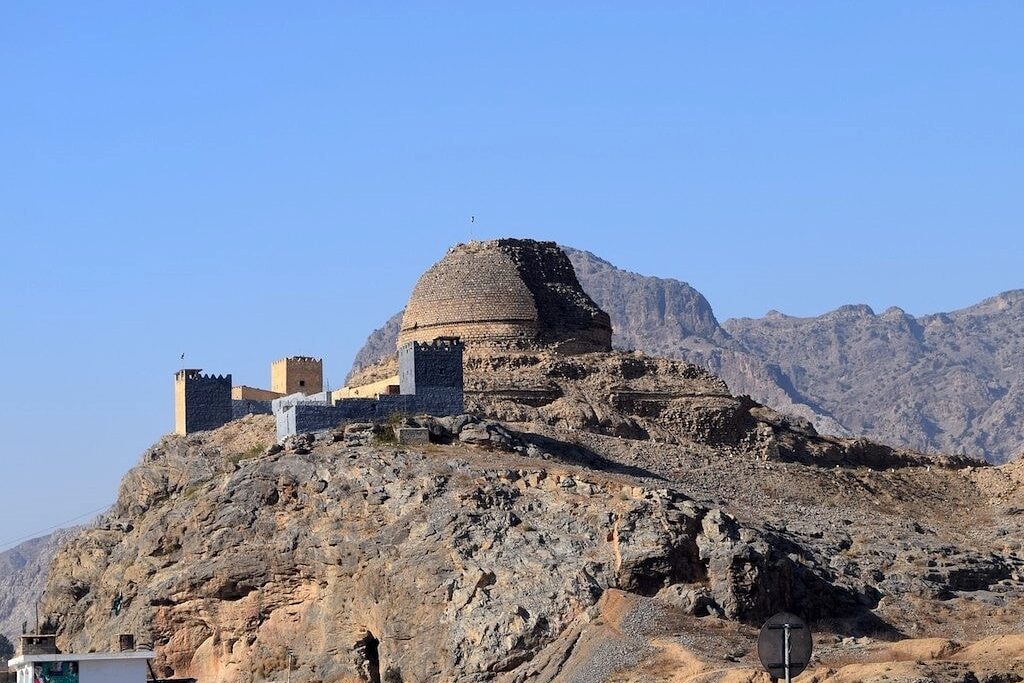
5, 545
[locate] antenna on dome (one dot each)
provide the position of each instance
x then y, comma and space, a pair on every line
472, 220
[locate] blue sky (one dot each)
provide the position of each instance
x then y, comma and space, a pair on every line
243, 181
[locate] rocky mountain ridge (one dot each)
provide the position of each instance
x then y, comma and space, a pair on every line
947, 382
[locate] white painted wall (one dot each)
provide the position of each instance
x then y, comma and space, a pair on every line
112, 671
101, 671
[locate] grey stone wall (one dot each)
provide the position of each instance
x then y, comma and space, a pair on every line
207, 402
243, 407
388, 405
440, 401
302, 417
359, 409
433, 373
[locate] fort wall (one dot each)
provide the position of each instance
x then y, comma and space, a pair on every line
242, 407
431, 381
244, 393
370, 390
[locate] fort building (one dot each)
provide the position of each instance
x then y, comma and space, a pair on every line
430, 381
297, 374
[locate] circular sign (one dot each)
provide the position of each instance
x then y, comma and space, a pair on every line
782, 630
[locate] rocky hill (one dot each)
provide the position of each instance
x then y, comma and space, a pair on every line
601, 517
948, 382
596, 515
23, 571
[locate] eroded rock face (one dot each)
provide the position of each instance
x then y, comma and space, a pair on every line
538, 553
435, 566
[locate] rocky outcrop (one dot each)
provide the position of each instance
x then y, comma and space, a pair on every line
379, 345
446, 568
649, 314
543, 554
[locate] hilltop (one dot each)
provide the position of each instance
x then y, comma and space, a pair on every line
947, 382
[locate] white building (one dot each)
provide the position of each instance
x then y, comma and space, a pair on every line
40, 663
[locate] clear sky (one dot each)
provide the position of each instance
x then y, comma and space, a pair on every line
243, 181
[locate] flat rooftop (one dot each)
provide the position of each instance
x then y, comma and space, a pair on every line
79, 657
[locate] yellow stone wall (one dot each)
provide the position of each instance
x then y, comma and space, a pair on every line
297, 374
179, 403
366, 390
242, 392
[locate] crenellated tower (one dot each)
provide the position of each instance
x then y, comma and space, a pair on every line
201, 402
432, 372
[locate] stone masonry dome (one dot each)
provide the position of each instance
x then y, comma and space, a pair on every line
508, 293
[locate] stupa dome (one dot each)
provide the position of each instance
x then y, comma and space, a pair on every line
509, 293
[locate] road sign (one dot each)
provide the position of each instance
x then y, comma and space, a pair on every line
784, 646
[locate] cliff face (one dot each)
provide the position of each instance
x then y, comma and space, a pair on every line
649, 314
544, 547
949, 382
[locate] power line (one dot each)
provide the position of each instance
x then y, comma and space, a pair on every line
5, 545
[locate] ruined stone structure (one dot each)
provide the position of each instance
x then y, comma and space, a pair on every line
297, 374
514, 294
201, 402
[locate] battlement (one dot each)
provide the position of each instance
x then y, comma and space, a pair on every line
444, 344
298, 359
196, 374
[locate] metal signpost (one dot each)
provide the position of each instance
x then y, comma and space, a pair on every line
784, 646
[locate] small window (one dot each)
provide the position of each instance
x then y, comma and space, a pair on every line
302, 382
